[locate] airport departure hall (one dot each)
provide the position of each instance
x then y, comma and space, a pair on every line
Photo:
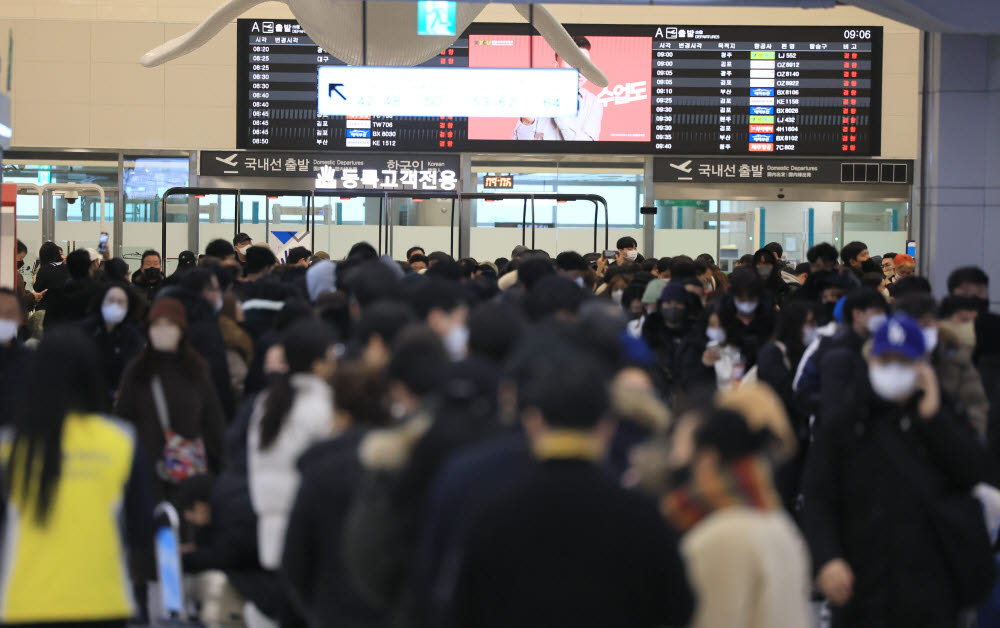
433, 314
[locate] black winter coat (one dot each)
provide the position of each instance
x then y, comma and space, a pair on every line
52, 278
774, 369
569, 547
204, 335
312, 566
116, 347
861, 508
678, 357
73, 303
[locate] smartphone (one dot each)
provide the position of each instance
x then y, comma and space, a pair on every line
610, 254
102, 242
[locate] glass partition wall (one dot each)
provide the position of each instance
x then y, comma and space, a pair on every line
496, 226
730, 229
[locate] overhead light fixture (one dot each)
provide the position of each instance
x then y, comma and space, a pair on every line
454, 92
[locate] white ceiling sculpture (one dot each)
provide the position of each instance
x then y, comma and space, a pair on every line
390, 28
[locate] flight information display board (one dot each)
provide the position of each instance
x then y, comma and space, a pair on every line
673, 89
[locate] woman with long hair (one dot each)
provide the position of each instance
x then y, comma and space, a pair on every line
52, 273
293, 413
72, 479
777, 364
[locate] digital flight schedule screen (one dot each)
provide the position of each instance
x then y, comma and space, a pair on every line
673, 89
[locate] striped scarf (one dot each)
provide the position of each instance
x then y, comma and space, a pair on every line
745, 482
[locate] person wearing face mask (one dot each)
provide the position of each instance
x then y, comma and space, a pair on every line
972, 284
722, 362
114, 332
201, 293
443, 306
769, 267
952, 362
241, 244
628, 251
668, 333
832, 371
167, 395
190, 407
876, 479
149, 278
650, 298
747, 314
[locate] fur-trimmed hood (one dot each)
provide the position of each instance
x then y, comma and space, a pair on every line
389, 449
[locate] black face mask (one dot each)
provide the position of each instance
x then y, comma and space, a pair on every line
673, 315
151, 275
982, 305
20, 264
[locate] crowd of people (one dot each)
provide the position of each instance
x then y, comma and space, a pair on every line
585, 440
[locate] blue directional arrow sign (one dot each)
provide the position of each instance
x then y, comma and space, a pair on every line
436, 18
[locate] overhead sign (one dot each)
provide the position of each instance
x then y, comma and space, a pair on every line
332, 171
459, 92
781, 171
498, 182
436, 18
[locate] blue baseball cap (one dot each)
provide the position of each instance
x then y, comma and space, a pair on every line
899, 335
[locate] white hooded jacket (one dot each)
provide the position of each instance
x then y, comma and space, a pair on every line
274, 476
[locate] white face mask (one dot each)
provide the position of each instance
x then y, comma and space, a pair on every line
8, 330
456, 342
930, 339
875, 322
165, 338
716, 334
113, 313
616, 296
632, 255
242, 250
746, 308
578, 281
893, 381
809, 335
